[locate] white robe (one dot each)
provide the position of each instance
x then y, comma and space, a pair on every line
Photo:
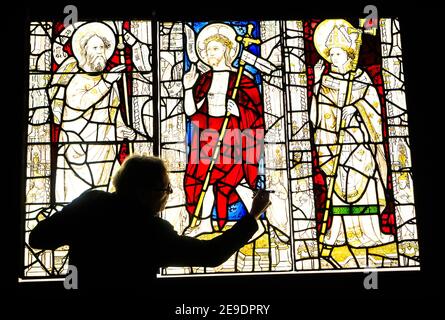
87, 143
360, 179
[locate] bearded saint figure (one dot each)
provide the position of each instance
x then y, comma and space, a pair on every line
85, 106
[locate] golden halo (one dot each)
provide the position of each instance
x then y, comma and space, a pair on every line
323, 31
90, 29
212, 30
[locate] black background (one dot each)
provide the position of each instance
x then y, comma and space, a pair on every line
287, 294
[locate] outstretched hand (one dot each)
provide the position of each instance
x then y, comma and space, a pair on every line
190, 77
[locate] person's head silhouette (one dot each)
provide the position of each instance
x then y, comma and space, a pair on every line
145, 181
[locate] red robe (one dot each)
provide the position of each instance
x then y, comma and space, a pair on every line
228, 173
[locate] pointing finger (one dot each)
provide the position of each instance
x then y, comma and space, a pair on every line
192, 68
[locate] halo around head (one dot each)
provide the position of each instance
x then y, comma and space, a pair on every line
90, 29
213, 30
333, 33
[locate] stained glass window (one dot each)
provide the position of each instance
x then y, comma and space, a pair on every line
314, 110
84, 116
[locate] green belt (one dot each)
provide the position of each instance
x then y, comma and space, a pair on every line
351, 210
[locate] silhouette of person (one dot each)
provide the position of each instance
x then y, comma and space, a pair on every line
115, 236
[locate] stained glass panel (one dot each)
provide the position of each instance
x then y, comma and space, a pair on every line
85, 116
314, 110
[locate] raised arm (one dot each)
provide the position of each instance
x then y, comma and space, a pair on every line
190, 106
175, 250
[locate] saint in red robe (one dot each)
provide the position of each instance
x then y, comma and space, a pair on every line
227, 173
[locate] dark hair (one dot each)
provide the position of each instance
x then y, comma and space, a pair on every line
139, 172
